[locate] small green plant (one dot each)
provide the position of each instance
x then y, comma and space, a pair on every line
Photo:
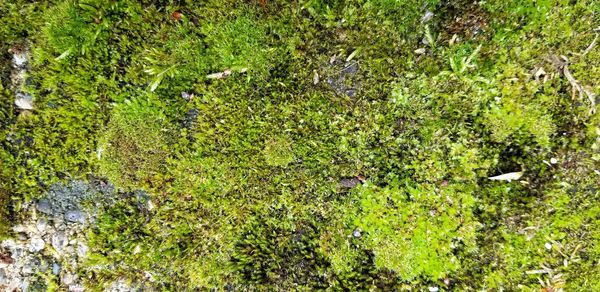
71, 29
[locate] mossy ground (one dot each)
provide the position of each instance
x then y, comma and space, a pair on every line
349, 148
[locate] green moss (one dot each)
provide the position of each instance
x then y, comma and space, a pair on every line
135, 146
412, 230
278, 152
71, 29
354, 153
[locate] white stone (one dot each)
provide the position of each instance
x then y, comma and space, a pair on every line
36, 244
507, 176
68, 278
59, 241
19, 59
82, 249
24, 101
76, 288
553, 160
41, 226
19, 228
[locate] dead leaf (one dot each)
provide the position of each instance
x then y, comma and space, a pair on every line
507, 176
177, 15
420, 51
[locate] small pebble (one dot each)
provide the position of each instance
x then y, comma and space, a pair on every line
19, 59
59, 241
24, 101
187, 96
43, 267
41, 226
420, 51
19, 228
75, 216
68, 278
76, 288
27, 269
36, 244
434, 289
82, 249
356, 233
548, 246
44, 207
55, 268
553, 160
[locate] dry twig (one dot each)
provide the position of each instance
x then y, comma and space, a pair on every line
562, 64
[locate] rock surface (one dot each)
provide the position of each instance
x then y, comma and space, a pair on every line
51, 242
42, 250
20, 62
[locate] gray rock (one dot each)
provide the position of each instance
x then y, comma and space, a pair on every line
3, 277
350, 182
351, 69
27, 268
59, 241
44, 207
357, 233
43, 267
82, 249
41, 226
55, 268
66, 200
351, 92
75, 216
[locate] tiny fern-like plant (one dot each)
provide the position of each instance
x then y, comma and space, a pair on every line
156, 69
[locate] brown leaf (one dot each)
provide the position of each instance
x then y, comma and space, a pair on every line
177, 15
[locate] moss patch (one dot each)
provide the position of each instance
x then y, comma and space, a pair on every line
346, 144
